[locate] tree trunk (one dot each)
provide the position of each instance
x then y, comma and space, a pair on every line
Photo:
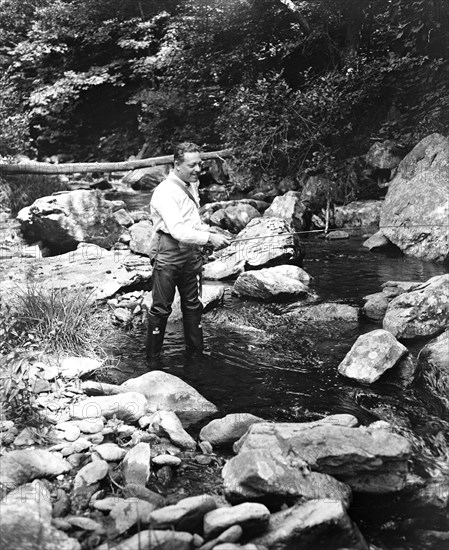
85, 167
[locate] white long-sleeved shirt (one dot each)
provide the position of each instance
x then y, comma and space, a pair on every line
173, 212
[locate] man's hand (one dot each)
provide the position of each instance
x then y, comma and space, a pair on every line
217, 240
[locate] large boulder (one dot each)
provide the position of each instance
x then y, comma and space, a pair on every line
279, 282
166, 391
264, 242
26, 521
21, 466
63, 221
88, 266
434, 362
307, 525
370, 460
291, 208
358, 213
371, 355
268, 475
423, 311
415, 212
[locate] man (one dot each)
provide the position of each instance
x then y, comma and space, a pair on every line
176, 253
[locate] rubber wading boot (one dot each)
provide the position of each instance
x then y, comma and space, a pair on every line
155, 339
193, 334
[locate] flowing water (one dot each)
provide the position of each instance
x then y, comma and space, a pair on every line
244, 374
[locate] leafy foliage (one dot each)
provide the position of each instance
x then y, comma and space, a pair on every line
291, 85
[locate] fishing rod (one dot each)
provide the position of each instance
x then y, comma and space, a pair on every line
327, 231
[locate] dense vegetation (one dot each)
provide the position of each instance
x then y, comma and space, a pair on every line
290, 85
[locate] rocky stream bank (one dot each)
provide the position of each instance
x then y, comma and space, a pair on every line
111, 465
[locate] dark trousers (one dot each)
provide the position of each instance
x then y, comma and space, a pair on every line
176, 265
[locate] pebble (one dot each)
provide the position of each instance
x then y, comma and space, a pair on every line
221, 519
110, 452
136, 465
167, 460
92, 472
91, 425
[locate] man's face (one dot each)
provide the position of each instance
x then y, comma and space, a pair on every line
189, 169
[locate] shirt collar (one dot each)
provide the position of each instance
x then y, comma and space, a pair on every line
174, 176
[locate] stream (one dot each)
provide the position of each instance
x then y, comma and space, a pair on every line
301, 383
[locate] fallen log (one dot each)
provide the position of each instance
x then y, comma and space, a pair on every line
85, 167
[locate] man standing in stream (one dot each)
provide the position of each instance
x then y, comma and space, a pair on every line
176, 252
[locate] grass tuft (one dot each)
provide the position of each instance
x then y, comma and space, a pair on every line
54, 321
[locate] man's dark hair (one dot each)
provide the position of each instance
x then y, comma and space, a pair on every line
185, 147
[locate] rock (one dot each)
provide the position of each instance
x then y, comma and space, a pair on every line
337, 235
129, 512
263, 475
420, 312
435, 355
327, 312
128, 406
141, 235
67, 431
416, 208
232, 534
251, 516
291, 208
25, 438
136, 465
375, 306
26, 521
404, 374
239, 216
171, 425
63, 221
107, 504
146, 178
358, 213
263, 241
315, 191
369, 460
21, 466
371, 355
91, 473
154, 539
382, 155
166, 391
61, 504
227, 430
134, 490
434, 362
378, 241
86, 524
110, 452
91, 425
123, 315
211, 296
72, 367
89, 266
280, 282
123, 217
207, 210
187, 514
167, 460
306, 526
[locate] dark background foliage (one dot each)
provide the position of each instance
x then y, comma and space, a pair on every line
291, 86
